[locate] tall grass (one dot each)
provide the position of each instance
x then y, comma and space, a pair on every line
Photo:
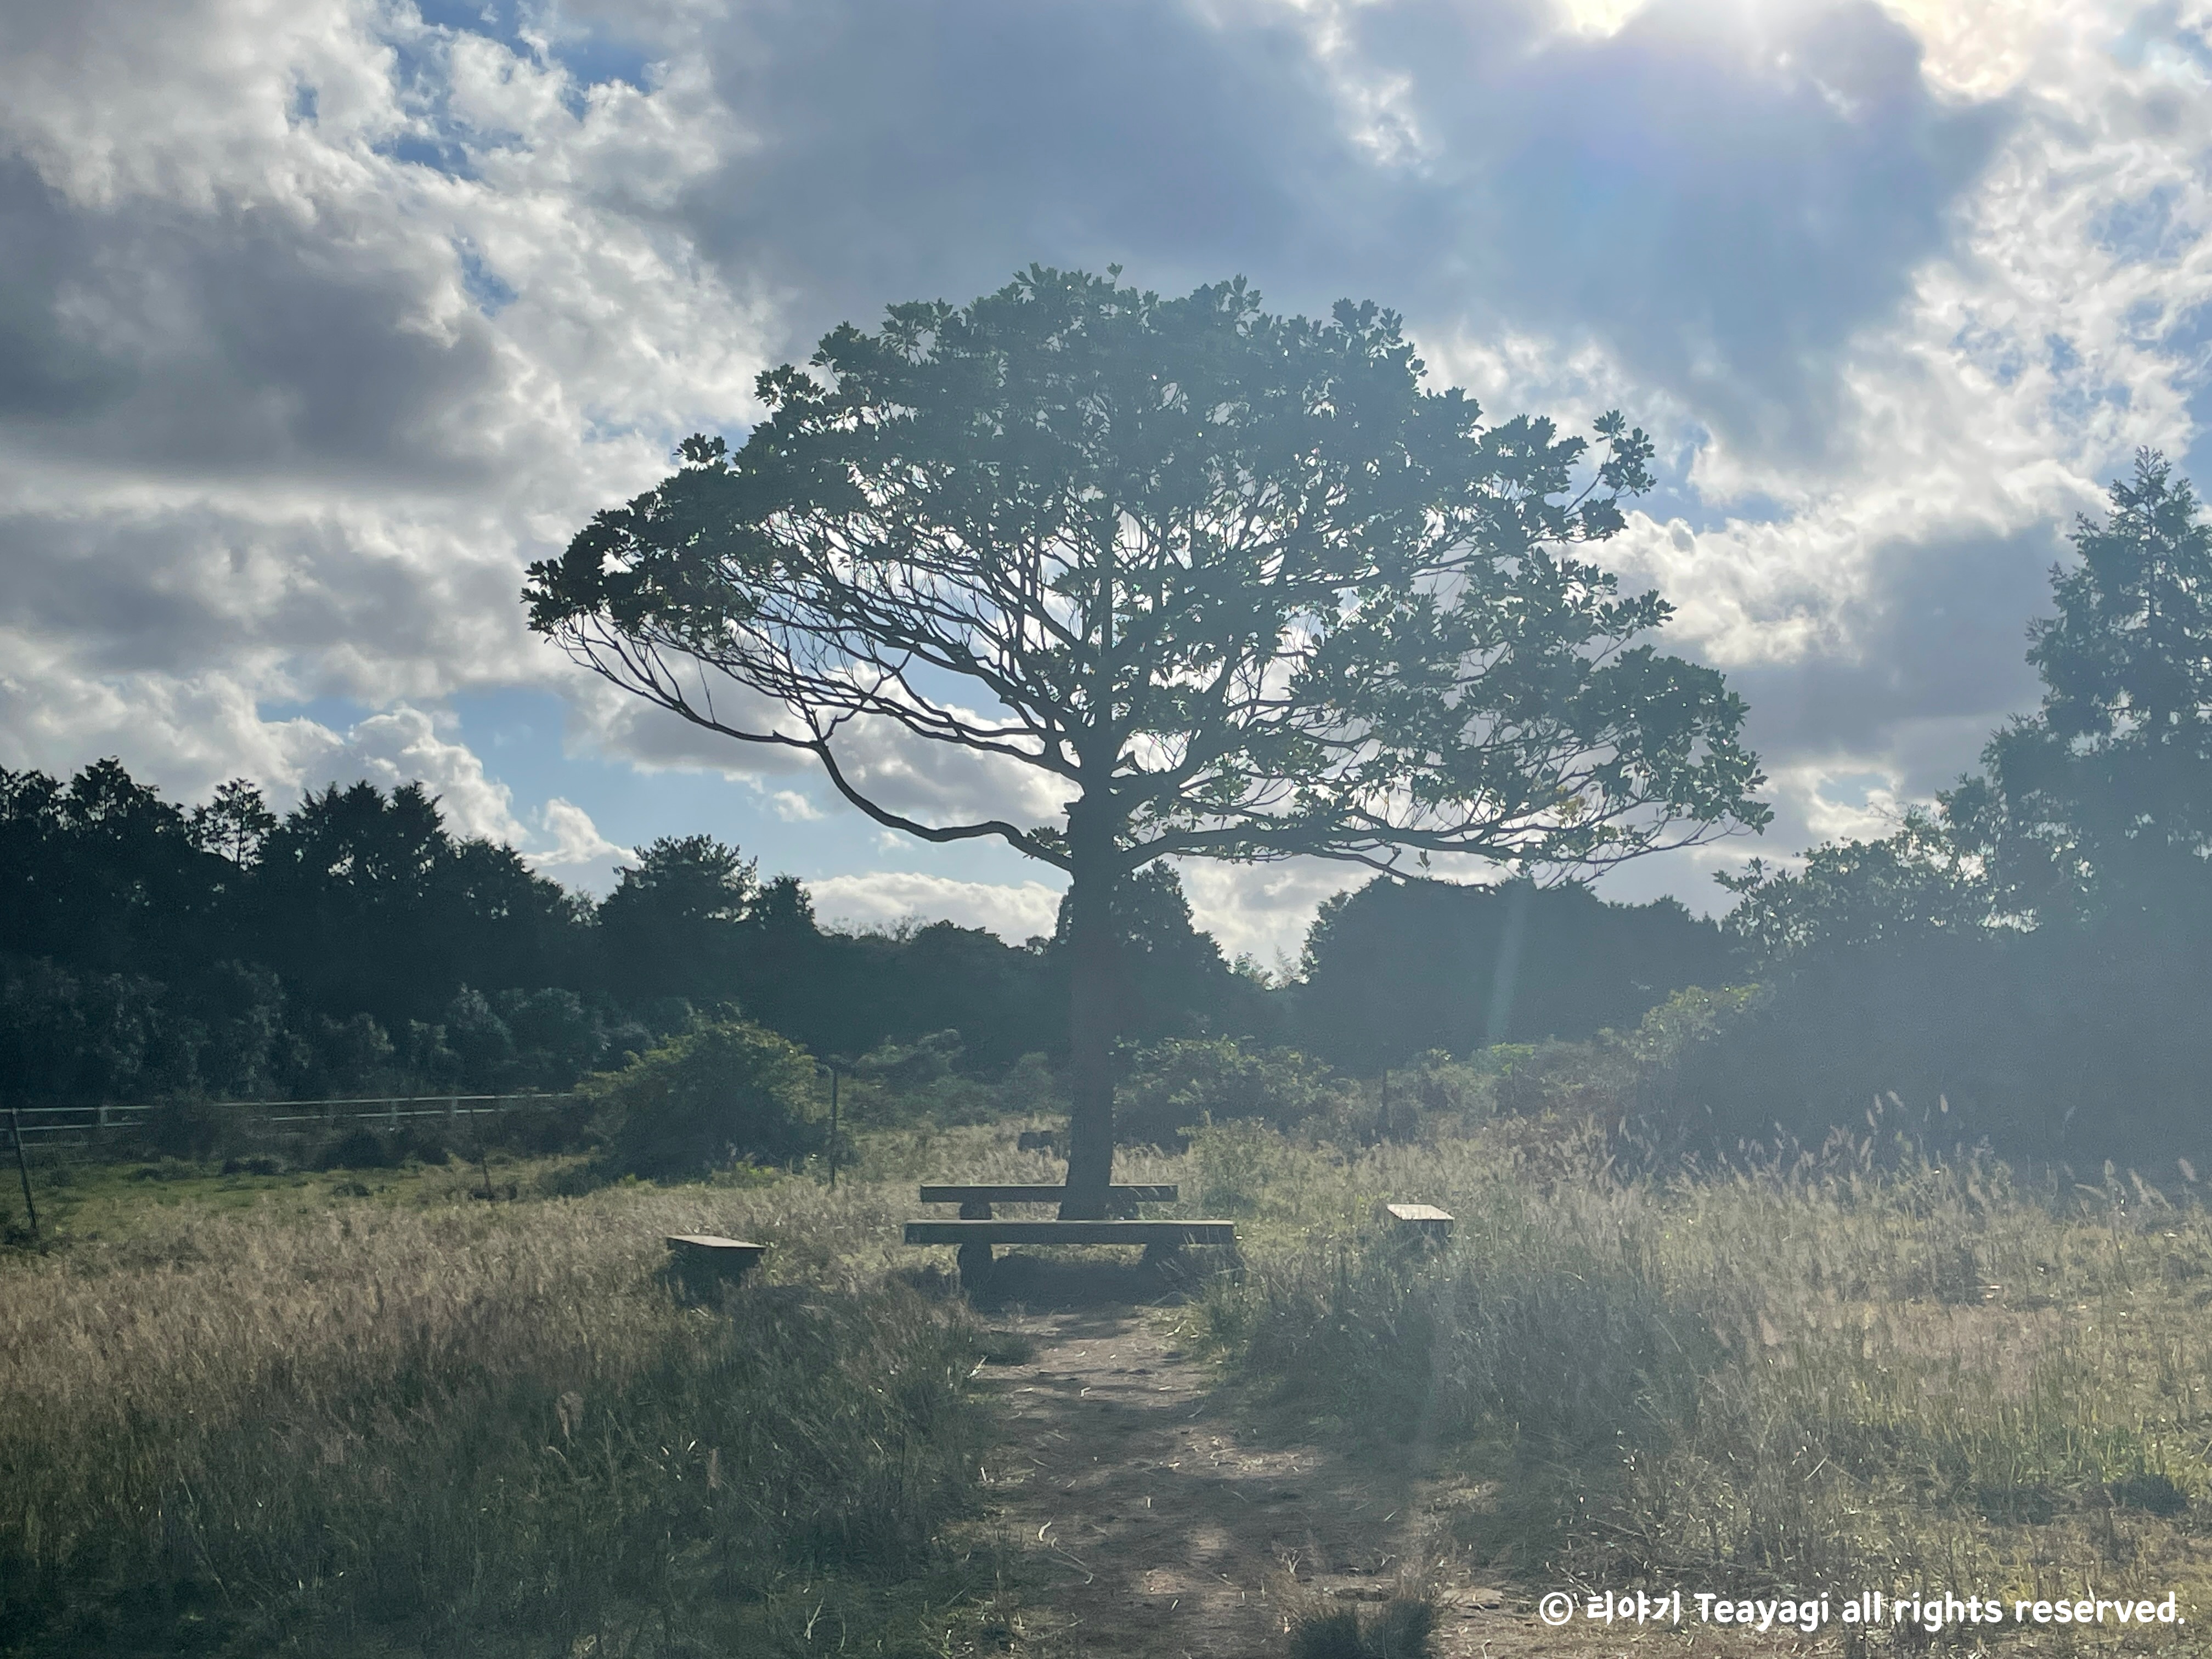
331, 1421
1800, 1374
485, 1428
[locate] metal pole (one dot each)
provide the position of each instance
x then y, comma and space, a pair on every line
23, 1169
833, 1128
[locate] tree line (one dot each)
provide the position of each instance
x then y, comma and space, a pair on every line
150, 951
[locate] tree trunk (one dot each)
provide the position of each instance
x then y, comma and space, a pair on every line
1093, 1019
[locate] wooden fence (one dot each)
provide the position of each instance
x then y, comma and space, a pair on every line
98, 1126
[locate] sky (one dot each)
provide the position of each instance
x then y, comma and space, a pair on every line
320, 319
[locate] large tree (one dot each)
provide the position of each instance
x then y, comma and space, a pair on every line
1237, 583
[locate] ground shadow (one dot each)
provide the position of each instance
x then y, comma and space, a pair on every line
1152, 1524
1052, 1282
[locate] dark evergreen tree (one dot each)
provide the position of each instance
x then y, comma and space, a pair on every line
364, 903
104, 874
1399, 967
676, 924
1169, 977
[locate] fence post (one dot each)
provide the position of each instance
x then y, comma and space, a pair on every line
23, 1169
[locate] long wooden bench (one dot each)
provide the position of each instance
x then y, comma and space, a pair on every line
976, 1201
1070, 1232
977, 1230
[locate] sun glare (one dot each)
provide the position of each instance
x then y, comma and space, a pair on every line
1599, 17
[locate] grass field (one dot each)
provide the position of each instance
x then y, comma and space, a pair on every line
365, 1413
1832, 1375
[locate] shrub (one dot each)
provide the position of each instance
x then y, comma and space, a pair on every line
1438, 1093
905, 1066
1176, 1084
357, 1148
926, 1081
1236, 1164
724, 1090
905, 1083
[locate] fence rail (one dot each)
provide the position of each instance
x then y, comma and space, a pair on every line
96, 1125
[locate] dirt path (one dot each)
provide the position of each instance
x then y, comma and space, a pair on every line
1156, 1530
1160, 1530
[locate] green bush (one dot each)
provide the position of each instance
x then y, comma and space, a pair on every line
725, 1091
1437, 1093
357, 1148
928, 1080
1176, 1084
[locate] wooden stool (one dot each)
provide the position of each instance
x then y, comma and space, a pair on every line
702, 1262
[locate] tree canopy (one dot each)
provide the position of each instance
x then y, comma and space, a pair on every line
2095, 810
1236, 584
1240, 572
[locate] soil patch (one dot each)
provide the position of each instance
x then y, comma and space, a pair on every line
1154, 1526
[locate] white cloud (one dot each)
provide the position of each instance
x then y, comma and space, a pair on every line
1263, 910
320, 323
408, 746
579, 857
881, 897
404, 746
287, 407
794, 808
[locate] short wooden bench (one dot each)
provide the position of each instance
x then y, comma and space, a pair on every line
1423, 1220
702, 1261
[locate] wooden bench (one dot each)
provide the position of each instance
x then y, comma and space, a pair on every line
1070, 1232
977, 1231
976, 1201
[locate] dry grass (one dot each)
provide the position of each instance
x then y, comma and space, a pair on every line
277, 1416
410, 1421
1818, 1377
